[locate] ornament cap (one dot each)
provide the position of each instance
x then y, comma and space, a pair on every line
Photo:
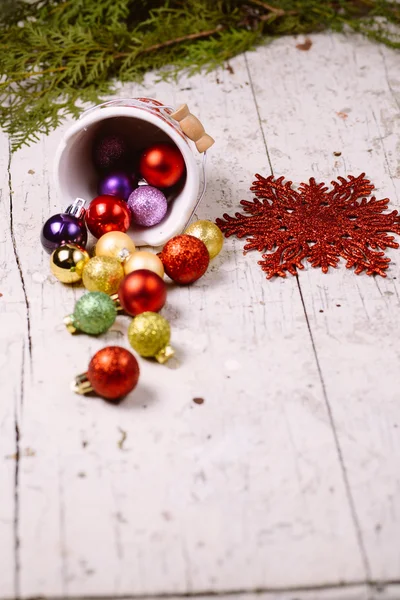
77, 208
117, 303
69, 323
81, 385
165, 354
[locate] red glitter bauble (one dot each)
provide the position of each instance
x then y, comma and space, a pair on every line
107, 213
142, 291
162, 165
113, 372
185, 258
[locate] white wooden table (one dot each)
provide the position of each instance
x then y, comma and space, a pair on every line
285, 483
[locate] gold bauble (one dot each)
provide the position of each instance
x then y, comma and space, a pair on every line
149, 334
103, 274
116, 244
144, 260
209, 233
67, 262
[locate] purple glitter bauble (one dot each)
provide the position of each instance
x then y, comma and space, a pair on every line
63, 229
109, 151
148, 205
117, 183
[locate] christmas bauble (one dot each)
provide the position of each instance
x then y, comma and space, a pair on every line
162, 165
142, 291
209, 233
117, 183
149, 334
116, 244
67, 263
107, 213
63, 228
113, 372
148, 205
110, 151
144, 260
103, 274
94, 313
185, 258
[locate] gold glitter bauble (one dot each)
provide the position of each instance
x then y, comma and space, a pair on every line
116, 244
103, 274
67, 262
149, 334
144, 260
209, 233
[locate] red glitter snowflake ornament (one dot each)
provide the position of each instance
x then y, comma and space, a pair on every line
315, 224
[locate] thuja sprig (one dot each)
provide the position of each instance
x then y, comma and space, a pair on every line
57, 55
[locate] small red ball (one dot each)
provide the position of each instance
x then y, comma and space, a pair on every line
142, 290
107, 213
113, 372
162, 165
185, 258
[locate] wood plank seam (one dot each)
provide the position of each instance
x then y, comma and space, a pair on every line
350, 499
17, 409
373, 587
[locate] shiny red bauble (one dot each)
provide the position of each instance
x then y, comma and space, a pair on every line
162, 165
185, 258
113, 372
142, 290
107, 213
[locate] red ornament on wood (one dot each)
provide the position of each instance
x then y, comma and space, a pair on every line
113, 372
142, 291
185, 258
162, 165
107, 213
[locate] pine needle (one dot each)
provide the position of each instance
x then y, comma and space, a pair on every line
57, 55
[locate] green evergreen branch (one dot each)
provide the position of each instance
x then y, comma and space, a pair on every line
57, 55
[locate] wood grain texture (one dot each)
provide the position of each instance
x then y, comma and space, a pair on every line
286, 477
350, 102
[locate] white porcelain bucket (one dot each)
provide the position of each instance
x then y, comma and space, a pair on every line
143, 121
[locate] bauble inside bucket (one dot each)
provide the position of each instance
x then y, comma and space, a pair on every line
76, 174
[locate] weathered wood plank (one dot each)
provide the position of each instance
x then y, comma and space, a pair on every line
344, 96
247, 490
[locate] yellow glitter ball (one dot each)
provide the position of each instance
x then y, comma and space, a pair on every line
149, 334
103, 274
209, 234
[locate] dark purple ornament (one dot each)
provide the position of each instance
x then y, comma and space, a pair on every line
110, 151
117, 183
66, 227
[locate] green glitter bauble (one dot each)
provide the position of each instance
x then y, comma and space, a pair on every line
94, 313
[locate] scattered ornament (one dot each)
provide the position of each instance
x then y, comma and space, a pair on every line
67, 263
110, 151
162, 165
148, 205
149, 334
113, 372
117, 183
94, 313
115, 244
102, 274
209, 234
185, 258
144, 260
315, 224
107, 213
142, 291
66, 227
